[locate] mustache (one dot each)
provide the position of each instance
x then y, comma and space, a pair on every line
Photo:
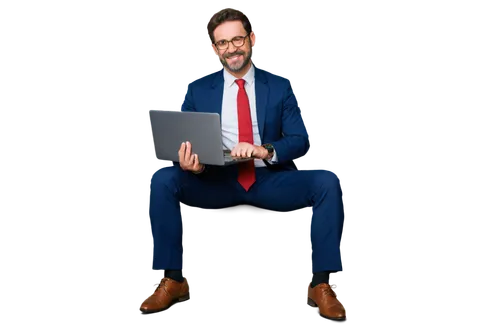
229, 55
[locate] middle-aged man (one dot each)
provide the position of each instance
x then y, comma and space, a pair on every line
260, 118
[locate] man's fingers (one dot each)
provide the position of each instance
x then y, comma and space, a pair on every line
188, 151
196, 162
243, 149
247, 152
182, 152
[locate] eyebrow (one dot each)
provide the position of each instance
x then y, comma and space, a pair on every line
217, 40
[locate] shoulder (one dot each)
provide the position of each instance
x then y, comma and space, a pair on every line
208, 80
271, 78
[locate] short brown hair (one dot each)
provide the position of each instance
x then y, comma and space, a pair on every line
225, 15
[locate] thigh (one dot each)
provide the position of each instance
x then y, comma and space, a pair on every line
290, 190
198, 191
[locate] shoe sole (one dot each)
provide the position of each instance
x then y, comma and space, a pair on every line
310, 302
182, 300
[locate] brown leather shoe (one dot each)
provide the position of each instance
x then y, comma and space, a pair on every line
167, 293
324, 297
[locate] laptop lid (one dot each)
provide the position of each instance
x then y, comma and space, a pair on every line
202, 129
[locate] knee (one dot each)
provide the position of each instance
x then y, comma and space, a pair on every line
328, 180
166, 176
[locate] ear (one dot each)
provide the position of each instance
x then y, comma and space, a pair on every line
252, 38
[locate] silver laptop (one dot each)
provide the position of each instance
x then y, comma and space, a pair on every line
201, 129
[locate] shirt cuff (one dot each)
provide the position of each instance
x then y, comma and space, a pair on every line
274, 160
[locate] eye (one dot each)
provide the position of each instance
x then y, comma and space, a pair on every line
237, 39
222, 43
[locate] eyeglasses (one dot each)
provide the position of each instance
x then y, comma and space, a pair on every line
237, 41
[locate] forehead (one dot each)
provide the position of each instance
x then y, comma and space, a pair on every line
228, 30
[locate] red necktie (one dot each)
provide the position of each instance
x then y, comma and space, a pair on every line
246, 170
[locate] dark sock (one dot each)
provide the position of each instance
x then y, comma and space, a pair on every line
321, 277
174, 275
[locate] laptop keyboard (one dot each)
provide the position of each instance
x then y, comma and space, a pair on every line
227, 156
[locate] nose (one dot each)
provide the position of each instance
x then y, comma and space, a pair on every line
231, 48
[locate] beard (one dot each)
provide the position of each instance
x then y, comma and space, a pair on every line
236, 67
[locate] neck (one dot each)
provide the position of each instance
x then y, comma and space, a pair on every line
240, 73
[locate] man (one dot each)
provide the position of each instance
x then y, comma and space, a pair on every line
260, 118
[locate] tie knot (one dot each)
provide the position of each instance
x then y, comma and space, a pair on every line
240, 83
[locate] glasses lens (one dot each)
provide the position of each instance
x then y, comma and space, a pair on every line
222, 44
238, 41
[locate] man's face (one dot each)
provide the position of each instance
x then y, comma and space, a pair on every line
235, 59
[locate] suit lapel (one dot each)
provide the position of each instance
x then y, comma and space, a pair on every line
215, 101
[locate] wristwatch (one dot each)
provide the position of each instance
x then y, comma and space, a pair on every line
270, 150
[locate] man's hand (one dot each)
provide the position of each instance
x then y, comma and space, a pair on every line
188, 161
245, 149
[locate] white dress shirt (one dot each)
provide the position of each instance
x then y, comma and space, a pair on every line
229, 114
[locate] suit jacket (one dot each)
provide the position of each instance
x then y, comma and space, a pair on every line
278, 114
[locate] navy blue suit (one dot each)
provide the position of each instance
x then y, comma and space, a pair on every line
279, 187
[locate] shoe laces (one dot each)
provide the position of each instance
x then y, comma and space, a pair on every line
329, 291
160, 285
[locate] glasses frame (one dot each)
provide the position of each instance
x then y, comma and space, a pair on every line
232, 42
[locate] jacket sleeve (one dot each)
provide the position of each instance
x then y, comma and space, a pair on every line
296, 140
